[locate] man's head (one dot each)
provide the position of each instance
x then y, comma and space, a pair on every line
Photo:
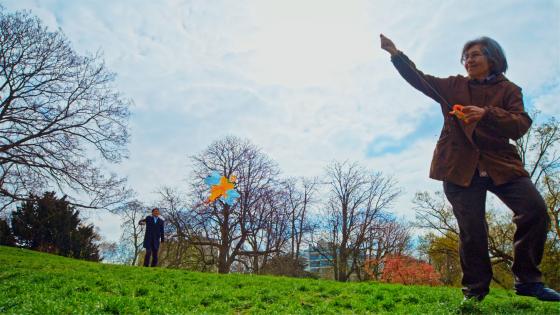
155, 212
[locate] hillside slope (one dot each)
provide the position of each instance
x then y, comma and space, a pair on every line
38, 283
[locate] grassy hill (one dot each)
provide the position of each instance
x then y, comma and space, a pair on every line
37, 283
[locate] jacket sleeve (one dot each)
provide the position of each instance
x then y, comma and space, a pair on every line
434, 87
161, 231
511, 120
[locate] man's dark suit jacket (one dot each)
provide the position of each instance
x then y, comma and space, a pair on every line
154, 232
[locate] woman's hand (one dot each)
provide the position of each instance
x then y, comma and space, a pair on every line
473, 113
388, 45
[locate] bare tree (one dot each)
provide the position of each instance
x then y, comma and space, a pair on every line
435, 214
356, 197
268, 221
552, 184
57, 108
299, 200
227, 227
172, 206
132, 236
182, 248
280, 222
540, 152
386, 236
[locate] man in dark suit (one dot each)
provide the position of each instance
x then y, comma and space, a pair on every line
154, 232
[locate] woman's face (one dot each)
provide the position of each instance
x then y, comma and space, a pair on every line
476, 63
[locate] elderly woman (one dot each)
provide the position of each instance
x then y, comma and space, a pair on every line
473, 156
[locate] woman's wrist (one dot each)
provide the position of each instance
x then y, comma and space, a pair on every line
394, 52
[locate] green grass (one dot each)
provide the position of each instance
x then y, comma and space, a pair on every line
37, 283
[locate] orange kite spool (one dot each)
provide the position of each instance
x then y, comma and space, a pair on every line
457, 111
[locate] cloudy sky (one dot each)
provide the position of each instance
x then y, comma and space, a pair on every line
304, 80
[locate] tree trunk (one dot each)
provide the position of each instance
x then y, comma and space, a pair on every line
222, 260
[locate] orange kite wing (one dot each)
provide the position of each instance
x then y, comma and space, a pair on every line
220, 190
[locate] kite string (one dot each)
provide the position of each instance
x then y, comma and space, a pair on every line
424, 80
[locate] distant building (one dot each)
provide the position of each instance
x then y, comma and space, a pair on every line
319, 259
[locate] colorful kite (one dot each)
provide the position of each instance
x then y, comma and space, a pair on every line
221, 187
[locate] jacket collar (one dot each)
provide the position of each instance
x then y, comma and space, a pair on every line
491, 79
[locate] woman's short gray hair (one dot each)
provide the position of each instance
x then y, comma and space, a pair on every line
492, 50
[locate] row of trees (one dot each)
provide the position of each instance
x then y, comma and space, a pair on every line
345, 218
